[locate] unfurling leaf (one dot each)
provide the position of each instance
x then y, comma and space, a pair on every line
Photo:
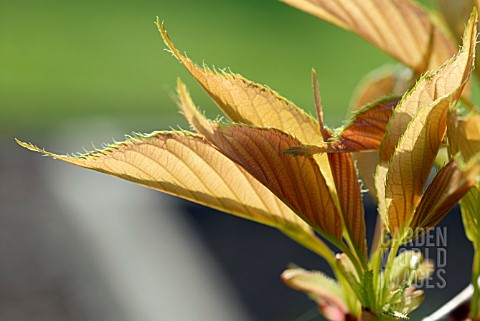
364, 132
446, 189
400, 28
187, 166
246, 102
415, 133
325, 291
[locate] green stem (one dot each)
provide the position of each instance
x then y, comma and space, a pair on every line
388, 268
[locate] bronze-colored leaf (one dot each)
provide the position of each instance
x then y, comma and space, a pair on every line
412, 162
364, 132
446, 189
296, 180
187, 166
400, 28
246, 102
350, 197
384, 82
448, 80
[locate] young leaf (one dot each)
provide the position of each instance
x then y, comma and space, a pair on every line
364, 132
411, 164
431, 96
400, 28
448, 80
246, 102
384, 82
296, 180
259, 151
325, 291
446, 189
187, 166
350, 197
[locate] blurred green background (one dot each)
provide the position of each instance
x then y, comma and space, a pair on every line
64, 60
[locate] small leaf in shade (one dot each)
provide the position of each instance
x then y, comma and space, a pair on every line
400, 28
364, 132
446, 189
187, 166
463, 140
246, 102
325, 291
463, 134
455, 14
448, 80
470, 206
296, 180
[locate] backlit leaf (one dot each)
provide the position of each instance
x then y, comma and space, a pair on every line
346, 183
350, 197
414, 134
400, 28
296, 180
446, 189
384, 82
187, 166
246, 102
364, 132
412, 162
448, 79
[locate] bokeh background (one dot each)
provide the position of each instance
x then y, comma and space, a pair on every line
78, 245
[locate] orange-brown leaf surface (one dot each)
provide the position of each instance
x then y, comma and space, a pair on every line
187, 166
448, 79
364, 132
400, 28
246, 102
296, 180
415, 132
384, 82
446, 189
350, 197
412, 162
